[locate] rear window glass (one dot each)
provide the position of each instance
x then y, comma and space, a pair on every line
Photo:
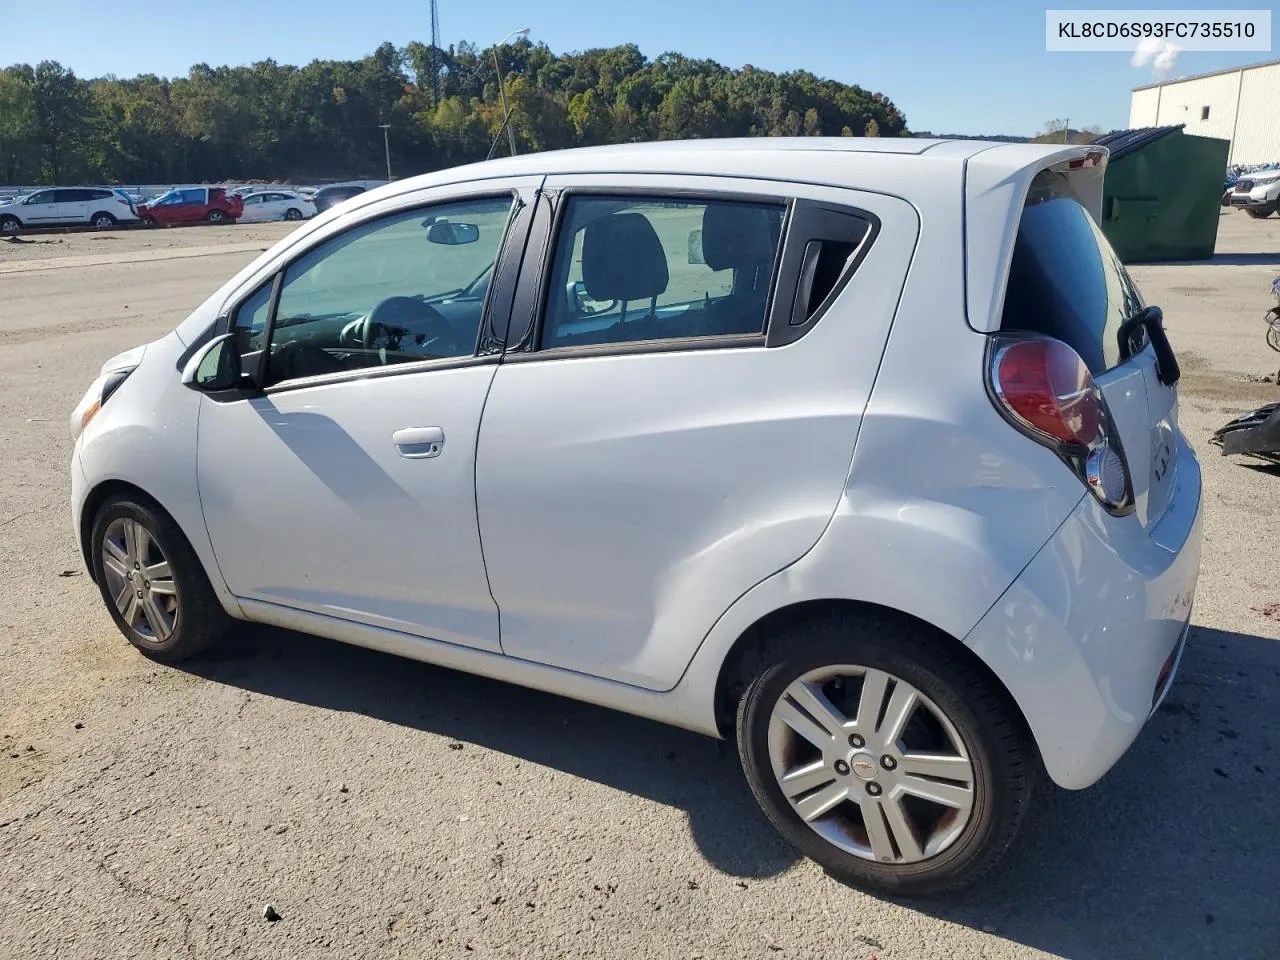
1065, 280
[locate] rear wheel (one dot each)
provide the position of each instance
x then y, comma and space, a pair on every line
216, 216
293, 214
148, 221
10, 226
152, 582
102, 221
1261, 213
885, 754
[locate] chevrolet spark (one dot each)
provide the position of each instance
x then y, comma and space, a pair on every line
864, 454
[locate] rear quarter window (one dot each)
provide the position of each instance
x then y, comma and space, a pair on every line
1065, 281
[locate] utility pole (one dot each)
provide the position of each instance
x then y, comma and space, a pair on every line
502, 87
435, 46
386, 145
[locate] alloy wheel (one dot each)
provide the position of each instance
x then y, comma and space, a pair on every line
871, 764
139, 580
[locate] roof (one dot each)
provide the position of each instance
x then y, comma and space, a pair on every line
1120, 143
1201, 76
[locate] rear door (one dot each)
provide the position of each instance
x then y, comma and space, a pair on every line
1066, 282
675, 417
70, 206
193, 205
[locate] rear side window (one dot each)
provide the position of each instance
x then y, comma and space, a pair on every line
637, 269
1065, 281
192, 196
102, 195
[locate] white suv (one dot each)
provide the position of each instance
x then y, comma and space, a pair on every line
100, 207
864, 453
1258, 193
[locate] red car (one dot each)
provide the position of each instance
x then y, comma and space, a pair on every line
192, 205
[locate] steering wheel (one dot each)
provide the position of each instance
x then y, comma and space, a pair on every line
397, 318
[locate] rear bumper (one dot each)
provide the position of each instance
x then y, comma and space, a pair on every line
1088, 637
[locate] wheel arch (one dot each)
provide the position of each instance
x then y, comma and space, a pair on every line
93, 502
739, 664
103, 213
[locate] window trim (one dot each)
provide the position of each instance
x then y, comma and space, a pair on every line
802, 228
226, 317
530, 347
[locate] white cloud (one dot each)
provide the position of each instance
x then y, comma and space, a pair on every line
1160, 53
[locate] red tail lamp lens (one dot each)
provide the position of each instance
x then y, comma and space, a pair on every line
1047, 385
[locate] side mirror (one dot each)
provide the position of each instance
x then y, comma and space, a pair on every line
451, 234
695, 246
215, 367
580, 301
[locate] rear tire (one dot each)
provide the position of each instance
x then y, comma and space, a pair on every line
216, 216
102, 221
1261, 213
293, 214
152, 582
10, 226
954, 710
148, 221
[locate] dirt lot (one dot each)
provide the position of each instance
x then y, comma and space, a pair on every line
393, 809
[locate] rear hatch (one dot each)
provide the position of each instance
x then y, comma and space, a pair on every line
1066, 282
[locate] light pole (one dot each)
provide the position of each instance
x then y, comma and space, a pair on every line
386, 146
502, 87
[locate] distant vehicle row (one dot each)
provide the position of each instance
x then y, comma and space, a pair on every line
107, 207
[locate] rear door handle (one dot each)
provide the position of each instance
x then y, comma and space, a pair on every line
419, 443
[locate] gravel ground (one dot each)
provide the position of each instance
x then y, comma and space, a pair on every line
387, 808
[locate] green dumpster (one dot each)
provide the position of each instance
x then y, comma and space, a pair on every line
1162, 194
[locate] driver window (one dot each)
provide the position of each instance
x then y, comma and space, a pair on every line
404, 288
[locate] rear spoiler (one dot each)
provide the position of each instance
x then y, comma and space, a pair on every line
995, 187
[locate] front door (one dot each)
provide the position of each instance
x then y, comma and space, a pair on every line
347, 488
682, 423
39, 208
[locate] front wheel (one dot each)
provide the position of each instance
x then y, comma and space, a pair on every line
152, 582
885, 754
10, 226
1273, 329
1261, 213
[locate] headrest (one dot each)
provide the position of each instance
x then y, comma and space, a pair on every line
737, 235
622, 258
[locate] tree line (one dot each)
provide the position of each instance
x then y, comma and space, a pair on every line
444, 107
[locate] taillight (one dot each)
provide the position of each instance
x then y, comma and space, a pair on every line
1043, 388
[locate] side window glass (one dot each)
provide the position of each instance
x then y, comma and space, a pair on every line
635, 269
403, 288
251, 320
192, 196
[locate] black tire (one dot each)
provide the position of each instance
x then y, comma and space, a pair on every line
10, 226
148, 221
216, 216
1000, 749
102, 220
199, 618
293, 213
1261, 213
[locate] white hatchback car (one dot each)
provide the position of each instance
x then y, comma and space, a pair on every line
276, 205
864, 452
101, 207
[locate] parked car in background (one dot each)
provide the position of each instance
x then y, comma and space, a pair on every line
192, 205
903, 573
276, 205
327, 197
1257, 193
101, 207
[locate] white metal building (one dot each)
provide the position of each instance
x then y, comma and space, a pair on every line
1241, 105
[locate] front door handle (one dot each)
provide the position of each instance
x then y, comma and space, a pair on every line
419, 443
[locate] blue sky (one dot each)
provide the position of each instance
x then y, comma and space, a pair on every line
952, 67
